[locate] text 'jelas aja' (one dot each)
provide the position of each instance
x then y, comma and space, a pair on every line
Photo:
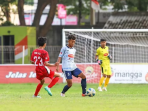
20, 75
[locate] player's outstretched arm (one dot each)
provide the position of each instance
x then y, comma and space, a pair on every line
50, 65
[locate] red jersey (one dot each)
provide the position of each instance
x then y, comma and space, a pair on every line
39, 57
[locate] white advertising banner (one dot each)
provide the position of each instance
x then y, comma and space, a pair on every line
129, 73
69, 20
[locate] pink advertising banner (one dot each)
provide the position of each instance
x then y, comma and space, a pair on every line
62, 11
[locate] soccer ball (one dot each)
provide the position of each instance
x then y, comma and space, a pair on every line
91, 92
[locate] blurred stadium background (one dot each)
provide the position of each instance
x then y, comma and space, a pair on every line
23, 21
124, 23
123, 14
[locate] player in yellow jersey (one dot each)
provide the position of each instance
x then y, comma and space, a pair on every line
103, 58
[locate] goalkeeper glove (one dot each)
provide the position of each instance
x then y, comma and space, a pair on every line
99, 61
109, 56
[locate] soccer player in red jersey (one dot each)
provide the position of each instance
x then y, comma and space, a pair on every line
40, 58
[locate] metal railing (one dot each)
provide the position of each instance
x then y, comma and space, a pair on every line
22, 54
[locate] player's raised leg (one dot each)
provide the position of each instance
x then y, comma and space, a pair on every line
39, 86
78, 73
53, 82
83, 83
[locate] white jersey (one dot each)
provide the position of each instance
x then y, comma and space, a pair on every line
67, 55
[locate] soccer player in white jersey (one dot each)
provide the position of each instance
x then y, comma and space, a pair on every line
69, 68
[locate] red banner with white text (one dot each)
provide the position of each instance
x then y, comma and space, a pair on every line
20, 74
26, 74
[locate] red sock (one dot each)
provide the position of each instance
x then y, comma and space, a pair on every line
53, 82
39, 86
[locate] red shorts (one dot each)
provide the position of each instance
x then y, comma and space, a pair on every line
44, 73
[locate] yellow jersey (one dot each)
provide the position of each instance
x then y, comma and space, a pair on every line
102, 54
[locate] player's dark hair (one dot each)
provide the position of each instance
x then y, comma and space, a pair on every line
102, 40
41, 41
71, 37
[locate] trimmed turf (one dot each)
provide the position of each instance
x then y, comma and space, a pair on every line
119, 97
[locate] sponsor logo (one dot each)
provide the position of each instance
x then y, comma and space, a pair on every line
89, 70
16, 75
131, 75
90, 74
71, 55
20, 75
146, 77
106, 54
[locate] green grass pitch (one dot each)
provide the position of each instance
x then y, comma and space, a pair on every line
119, 97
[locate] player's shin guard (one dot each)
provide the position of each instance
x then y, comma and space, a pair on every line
53, 82
39, 86
101, 81
65, 89
106, 82
83, 84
